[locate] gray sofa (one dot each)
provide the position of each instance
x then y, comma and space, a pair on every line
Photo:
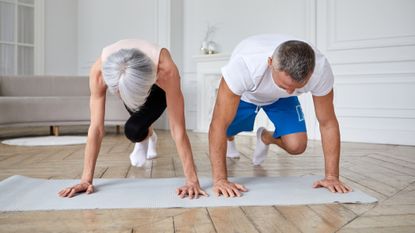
52, 101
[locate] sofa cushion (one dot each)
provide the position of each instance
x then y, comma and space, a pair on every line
56, 110
44, 86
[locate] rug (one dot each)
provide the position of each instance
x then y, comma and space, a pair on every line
46, 141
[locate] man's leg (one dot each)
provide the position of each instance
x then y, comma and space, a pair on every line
290, 130
231, 151
294, 143
243, 121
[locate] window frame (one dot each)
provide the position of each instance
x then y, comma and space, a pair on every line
38, 37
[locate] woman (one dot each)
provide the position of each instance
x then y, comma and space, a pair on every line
146, 79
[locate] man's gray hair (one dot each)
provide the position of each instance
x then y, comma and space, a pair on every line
296, 58
130, 74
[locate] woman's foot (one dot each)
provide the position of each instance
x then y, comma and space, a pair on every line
152, 145
139, 154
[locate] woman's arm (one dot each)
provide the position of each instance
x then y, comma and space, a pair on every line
169, 81
95, 133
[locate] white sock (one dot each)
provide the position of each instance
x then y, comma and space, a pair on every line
231, 151
138, 156
261, 150
152, 144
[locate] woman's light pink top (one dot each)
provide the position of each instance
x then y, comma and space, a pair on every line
151, 50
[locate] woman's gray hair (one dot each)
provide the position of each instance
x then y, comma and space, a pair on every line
296, 58
130, 74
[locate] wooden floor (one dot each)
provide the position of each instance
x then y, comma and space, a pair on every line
384, 171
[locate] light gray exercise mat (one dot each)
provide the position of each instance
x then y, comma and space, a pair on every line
19, 193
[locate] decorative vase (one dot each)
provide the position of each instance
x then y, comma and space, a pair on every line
204, 47
211, 47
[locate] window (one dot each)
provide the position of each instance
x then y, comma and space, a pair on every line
19, 42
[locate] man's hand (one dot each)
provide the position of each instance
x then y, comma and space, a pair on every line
79, 188
228, 189
191, 190
333, 184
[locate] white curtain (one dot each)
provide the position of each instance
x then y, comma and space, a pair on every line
17, 54
7, 18
25, 55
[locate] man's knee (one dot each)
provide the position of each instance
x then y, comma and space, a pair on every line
295, 144
296, 148
134, 132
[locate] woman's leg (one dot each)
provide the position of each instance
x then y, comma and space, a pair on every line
138, 126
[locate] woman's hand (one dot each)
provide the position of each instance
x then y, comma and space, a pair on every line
79, 188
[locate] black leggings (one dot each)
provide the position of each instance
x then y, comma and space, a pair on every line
136, 127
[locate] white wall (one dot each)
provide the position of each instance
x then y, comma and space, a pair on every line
235, 20
372, 53
102, 22
61, 36
76, 31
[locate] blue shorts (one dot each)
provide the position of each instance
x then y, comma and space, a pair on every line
286, 115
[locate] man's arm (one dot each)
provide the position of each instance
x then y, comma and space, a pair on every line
95, 132
330, 136
169, 81
224, 112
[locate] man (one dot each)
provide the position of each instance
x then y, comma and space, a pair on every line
269, 72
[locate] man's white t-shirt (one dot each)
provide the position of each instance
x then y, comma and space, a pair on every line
248, 75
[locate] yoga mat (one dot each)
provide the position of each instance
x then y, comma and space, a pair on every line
19, 193
46, 141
